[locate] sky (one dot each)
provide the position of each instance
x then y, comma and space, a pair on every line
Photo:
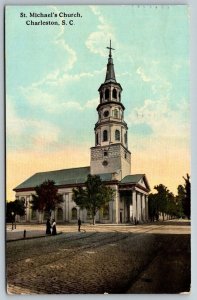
53, 73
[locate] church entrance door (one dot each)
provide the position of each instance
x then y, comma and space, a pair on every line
121, 217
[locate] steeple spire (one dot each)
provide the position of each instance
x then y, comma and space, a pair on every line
110, 48
110, 73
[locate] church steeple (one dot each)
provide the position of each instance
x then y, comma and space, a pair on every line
110, 90
110, 153
110, 73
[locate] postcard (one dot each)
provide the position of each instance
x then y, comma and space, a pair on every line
97, 149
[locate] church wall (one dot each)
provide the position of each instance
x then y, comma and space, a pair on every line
113, 159
125, 162
138, 209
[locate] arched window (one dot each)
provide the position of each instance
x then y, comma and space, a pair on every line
119, 96
60, 213
105, 135
74, 213
105, 153
125, 138
107, 94
115, 113
106, 211
117, 135
101, 95
33, 214
89, 215
97, 141
114, 94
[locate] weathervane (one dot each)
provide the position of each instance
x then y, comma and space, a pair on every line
110, 48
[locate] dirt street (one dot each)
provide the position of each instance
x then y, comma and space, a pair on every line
150, 258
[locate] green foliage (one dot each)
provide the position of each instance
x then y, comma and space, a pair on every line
94, 196
153, 207
187, 197
46, 197
164, 202
179, 200
162, 198
17, 207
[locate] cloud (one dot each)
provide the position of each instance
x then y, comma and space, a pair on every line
163, 120
51, 103
28, 132
61, 27
72, 57
142, 75
63, 78
104, 33
37, 97
91, 103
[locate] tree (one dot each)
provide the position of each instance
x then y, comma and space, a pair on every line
46, 197
17, 207
162, 198
187, 197
94, 196
153, 207
179, 200
171, 208
162, 202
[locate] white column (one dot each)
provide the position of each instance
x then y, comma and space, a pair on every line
139, 206
40, 217
116, 206
146, 199
64, 207
27, 209
143, 208
134, 205
68, 207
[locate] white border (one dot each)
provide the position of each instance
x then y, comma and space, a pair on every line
193, 93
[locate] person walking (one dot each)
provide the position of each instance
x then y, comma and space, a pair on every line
79, 224
54, 231
48, 227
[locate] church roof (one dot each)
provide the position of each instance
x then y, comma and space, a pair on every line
61, 177
110, 73
135, 179
132, 178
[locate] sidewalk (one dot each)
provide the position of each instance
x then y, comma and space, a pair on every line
17, 234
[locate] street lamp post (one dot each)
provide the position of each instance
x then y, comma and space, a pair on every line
15, 221
12, 213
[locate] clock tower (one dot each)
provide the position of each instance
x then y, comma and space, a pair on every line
110, 153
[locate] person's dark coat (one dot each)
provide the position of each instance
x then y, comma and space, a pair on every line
48, 227
79, 224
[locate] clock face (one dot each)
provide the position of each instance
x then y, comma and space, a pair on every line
106, 113
105, 163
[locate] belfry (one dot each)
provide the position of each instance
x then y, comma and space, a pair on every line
110, 158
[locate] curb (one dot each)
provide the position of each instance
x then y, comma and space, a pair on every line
33, 237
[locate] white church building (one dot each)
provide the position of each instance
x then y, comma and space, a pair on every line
110, 158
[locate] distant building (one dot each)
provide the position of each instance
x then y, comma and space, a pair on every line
110, 159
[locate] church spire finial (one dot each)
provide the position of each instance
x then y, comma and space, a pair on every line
110, 74
110, 48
